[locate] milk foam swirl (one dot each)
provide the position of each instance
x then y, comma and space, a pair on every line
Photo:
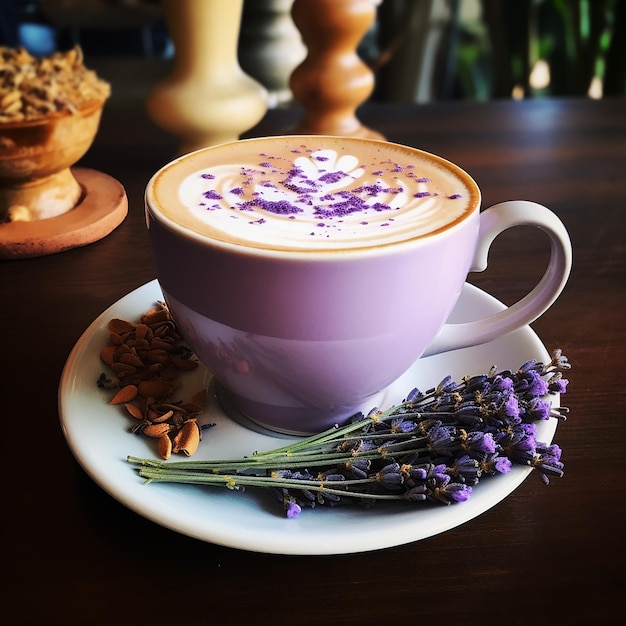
321, 198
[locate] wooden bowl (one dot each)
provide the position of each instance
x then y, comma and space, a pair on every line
36, 182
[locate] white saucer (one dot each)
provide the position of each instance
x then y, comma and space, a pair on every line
98, 435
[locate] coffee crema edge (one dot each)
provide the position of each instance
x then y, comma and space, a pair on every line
323, 191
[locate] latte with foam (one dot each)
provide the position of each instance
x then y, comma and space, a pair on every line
313, 193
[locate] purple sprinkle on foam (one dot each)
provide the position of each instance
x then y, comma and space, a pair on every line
238, 191
423, 180
321, 158
212, 195
332, 177
207, 176
455, 196
278, 207
421, 194
380, 206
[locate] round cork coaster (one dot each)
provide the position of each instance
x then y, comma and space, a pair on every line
102, 209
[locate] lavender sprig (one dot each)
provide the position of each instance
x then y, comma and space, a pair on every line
435, 446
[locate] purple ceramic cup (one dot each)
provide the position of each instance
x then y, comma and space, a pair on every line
301, 339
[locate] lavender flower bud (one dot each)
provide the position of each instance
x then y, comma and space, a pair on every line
358, 468
457, 492
292, 509
478, 383
557, 384
466, 469
414, 472
442, 439
559, 360
538, 409
415, 395
447, 385
502, 383
401, 425
538, 386
479, 443
390, 476
510, 407
417, 493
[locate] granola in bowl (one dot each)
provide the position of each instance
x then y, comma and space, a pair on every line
32, 88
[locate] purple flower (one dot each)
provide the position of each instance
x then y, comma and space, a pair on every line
558, 385
442, 439
553, 450
414, 473
510, 407
559, 360
496, 464
447, 385
527, 366
358, 468
417, 493
518, 444
390, 477
479, 443
414, 395
537, 385
401, 425
466, 469
502, 464
478, 383
502, 383
548, 464
453, 492
292, 509
538, 409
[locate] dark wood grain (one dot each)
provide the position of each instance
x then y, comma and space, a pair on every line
74, 555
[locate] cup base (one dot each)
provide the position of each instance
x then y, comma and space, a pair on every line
281, 420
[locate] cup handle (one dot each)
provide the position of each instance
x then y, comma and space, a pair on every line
494, 221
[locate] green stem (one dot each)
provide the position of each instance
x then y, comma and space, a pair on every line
283, 461
237, 481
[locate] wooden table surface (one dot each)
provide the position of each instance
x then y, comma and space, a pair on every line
72, 554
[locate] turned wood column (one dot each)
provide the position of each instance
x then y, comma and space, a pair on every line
332, 81
207, 99
270, 46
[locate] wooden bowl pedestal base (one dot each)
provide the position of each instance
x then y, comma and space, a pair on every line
103, 207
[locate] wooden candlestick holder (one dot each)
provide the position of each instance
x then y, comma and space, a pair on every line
332, 81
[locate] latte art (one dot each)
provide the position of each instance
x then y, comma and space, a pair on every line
321, 194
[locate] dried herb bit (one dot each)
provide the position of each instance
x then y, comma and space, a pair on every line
146, 359
435, 446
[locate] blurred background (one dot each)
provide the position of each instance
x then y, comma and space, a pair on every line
419, 50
